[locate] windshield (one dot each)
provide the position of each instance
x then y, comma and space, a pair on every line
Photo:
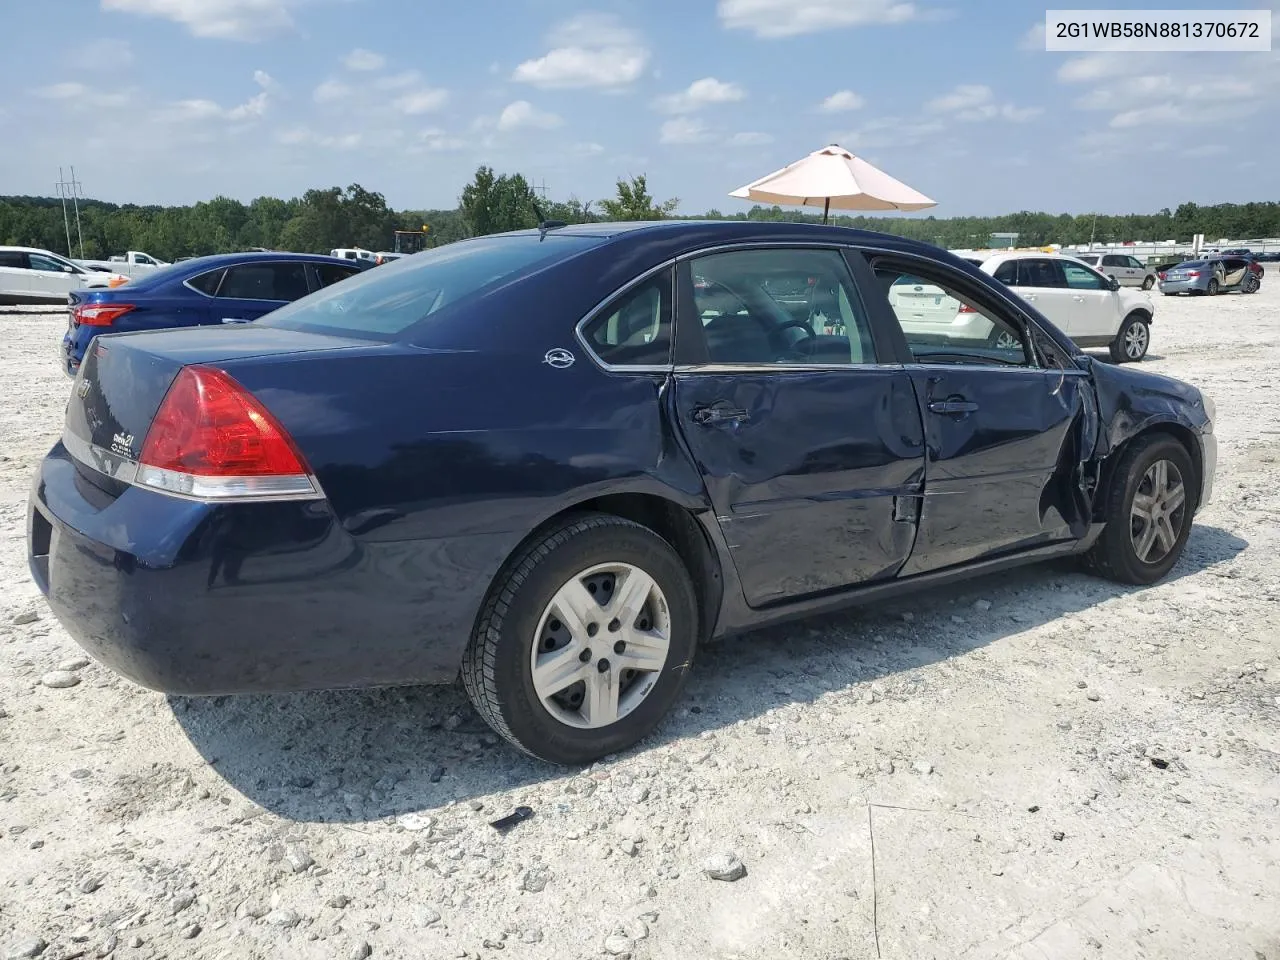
1091, 260
383, 303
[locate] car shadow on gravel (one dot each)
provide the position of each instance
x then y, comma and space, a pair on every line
356, 756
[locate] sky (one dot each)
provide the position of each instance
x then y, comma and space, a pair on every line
175, 101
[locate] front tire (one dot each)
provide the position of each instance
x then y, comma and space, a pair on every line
1148, 283
1148, 511
584, 641
1131, 343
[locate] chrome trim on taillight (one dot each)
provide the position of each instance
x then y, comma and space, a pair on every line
207, 489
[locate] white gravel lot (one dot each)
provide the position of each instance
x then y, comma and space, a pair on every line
1038, 765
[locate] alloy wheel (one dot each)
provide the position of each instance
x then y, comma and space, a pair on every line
1157, 512
1136, 339
601, 645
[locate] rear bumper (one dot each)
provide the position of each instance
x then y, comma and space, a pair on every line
189, 598
1182, 286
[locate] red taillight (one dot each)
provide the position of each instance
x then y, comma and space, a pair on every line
100, 314
965, 308
1160, 274
212, 439
1192, 274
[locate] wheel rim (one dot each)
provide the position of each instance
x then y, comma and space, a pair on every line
1213, 287
601, 645
1135, 340
1158, 510
1007, 341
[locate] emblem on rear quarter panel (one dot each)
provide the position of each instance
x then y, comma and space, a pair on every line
559, 358
82, 391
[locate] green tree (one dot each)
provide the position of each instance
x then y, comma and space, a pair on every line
635, 203
495, 204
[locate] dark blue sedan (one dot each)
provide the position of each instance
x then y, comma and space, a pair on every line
227, 288
557, 460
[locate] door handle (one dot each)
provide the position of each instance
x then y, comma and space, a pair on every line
1029, 296
710, 416
952, 407
234, 320
1077, 297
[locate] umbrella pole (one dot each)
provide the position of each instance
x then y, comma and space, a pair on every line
826, 208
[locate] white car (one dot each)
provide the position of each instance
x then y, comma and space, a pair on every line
30, 275
365, 258
1126, 270
1091, 309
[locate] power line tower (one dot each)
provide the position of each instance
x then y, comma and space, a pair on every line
72, 190
541, 189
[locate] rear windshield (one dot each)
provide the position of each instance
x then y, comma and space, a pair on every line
1194, 263
384, 302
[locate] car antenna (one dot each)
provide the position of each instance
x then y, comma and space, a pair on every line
543, 223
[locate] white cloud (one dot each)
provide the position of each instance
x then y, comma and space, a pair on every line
398, 81
973, 102
422, 101
1096, 66
331, 90
80, 94
750, 138
265, 81
684, 130
224, 19
183, 111
435, 140
699, 94
361, 59
590, 50
842, 101
967, 96
789, 18
522, 113
1034, 38
588, 149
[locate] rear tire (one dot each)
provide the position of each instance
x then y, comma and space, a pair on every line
1250, 284
1212, 288
498, 666
1131, 343
1116, 554
1148, 283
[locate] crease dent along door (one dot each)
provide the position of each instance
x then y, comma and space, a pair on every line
814, 468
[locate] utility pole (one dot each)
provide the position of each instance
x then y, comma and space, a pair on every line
1093, 230
541, 189
72, 190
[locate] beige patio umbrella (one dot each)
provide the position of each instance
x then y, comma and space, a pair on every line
834, 178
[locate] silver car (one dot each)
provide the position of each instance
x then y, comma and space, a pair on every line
1123, 269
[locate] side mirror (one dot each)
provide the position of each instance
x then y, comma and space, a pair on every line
1113, 284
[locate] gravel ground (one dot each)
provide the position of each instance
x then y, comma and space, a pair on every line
1038, 765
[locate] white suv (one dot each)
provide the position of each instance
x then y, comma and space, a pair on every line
30, 275
1089, 308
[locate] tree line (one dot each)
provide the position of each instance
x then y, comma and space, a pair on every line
321, 220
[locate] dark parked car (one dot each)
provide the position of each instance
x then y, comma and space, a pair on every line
227, 288
555, 462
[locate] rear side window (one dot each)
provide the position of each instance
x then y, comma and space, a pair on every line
13, 258
265, 281
385, 302
635, 330
1007, 273
331, 273
1038, 273
206, 283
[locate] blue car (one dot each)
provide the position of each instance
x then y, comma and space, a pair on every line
556, 461
227, 288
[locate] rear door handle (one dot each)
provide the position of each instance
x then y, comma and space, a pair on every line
709, 416
234, 320
952, 406
1030, 296
1078, 297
